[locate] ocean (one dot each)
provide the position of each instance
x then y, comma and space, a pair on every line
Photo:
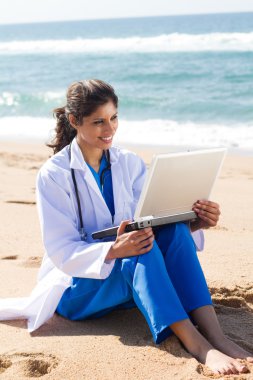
181, 80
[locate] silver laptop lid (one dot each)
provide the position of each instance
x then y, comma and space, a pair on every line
176, 180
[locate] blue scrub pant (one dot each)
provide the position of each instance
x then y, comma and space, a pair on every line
166, 284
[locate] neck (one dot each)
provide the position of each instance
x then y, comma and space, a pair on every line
91, 155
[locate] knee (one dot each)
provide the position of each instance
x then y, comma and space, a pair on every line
128, 264
182, 228
183, 236
153, 256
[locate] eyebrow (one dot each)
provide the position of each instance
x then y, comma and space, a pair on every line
100, 118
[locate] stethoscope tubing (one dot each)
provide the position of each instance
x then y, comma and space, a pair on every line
83, 235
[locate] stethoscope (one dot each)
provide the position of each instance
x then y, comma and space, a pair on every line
83, 234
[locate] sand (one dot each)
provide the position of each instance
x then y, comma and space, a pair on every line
118, 346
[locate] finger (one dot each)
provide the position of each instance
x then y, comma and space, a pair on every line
145, 249
210, 222
207, 214
207, 206
143, 243
208, 203
122, 227
142, 232
142, 248
203, 207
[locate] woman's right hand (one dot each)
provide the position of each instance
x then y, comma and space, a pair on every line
131, 243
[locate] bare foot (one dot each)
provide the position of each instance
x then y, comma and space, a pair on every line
232, 349
217, 361
202, 349
222, 364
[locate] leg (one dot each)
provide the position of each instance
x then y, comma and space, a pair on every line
153, 292
206, 319
155, 296
187, 267
91, 298
183, 266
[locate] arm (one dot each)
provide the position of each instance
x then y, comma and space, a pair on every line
61, 236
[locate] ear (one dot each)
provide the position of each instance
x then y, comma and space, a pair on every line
72, 121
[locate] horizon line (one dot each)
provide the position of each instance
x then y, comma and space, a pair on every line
121, 18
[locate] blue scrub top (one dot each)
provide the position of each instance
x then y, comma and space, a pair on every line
106, 189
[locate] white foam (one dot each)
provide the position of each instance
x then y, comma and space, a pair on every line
169, 132
174, 42
15, 99
22, 128
147, 132
8, 99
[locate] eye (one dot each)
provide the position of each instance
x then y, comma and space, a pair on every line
114, 117
97, 122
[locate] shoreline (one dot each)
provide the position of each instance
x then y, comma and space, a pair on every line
144, 150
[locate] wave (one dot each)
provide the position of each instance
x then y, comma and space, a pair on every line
146, 132
166, 43
14, 99
37, 103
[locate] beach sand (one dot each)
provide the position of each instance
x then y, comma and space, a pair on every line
119, 345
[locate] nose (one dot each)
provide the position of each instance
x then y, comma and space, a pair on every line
110, 126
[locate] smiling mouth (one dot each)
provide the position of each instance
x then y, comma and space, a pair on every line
106, 139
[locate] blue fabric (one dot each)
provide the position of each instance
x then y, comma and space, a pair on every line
107, 189
166, 284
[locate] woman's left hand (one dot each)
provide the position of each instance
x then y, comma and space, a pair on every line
208, 214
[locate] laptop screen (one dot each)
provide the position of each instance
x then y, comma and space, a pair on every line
176, 180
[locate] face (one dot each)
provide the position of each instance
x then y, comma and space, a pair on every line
98, 129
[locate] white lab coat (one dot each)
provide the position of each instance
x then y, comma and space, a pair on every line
66, 255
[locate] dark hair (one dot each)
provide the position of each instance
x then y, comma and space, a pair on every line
83, 98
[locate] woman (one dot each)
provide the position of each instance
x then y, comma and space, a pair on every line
82, 278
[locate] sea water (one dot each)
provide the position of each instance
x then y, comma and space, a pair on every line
181, 80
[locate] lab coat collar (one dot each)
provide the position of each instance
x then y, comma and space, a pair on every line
77, 162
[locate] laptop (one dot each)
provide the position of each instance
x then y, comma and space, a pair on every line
174, 182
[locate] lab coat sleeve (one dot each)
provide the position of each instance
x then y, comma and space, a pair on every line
199, 239
61, 236
139, 175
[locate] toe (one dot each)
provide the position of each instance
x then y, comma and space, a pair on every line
241, 367
229, 370
223, 370
234, 370
245, 369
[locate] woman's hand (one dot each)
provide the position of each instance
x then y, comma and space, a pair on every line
208, 215
131, 243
